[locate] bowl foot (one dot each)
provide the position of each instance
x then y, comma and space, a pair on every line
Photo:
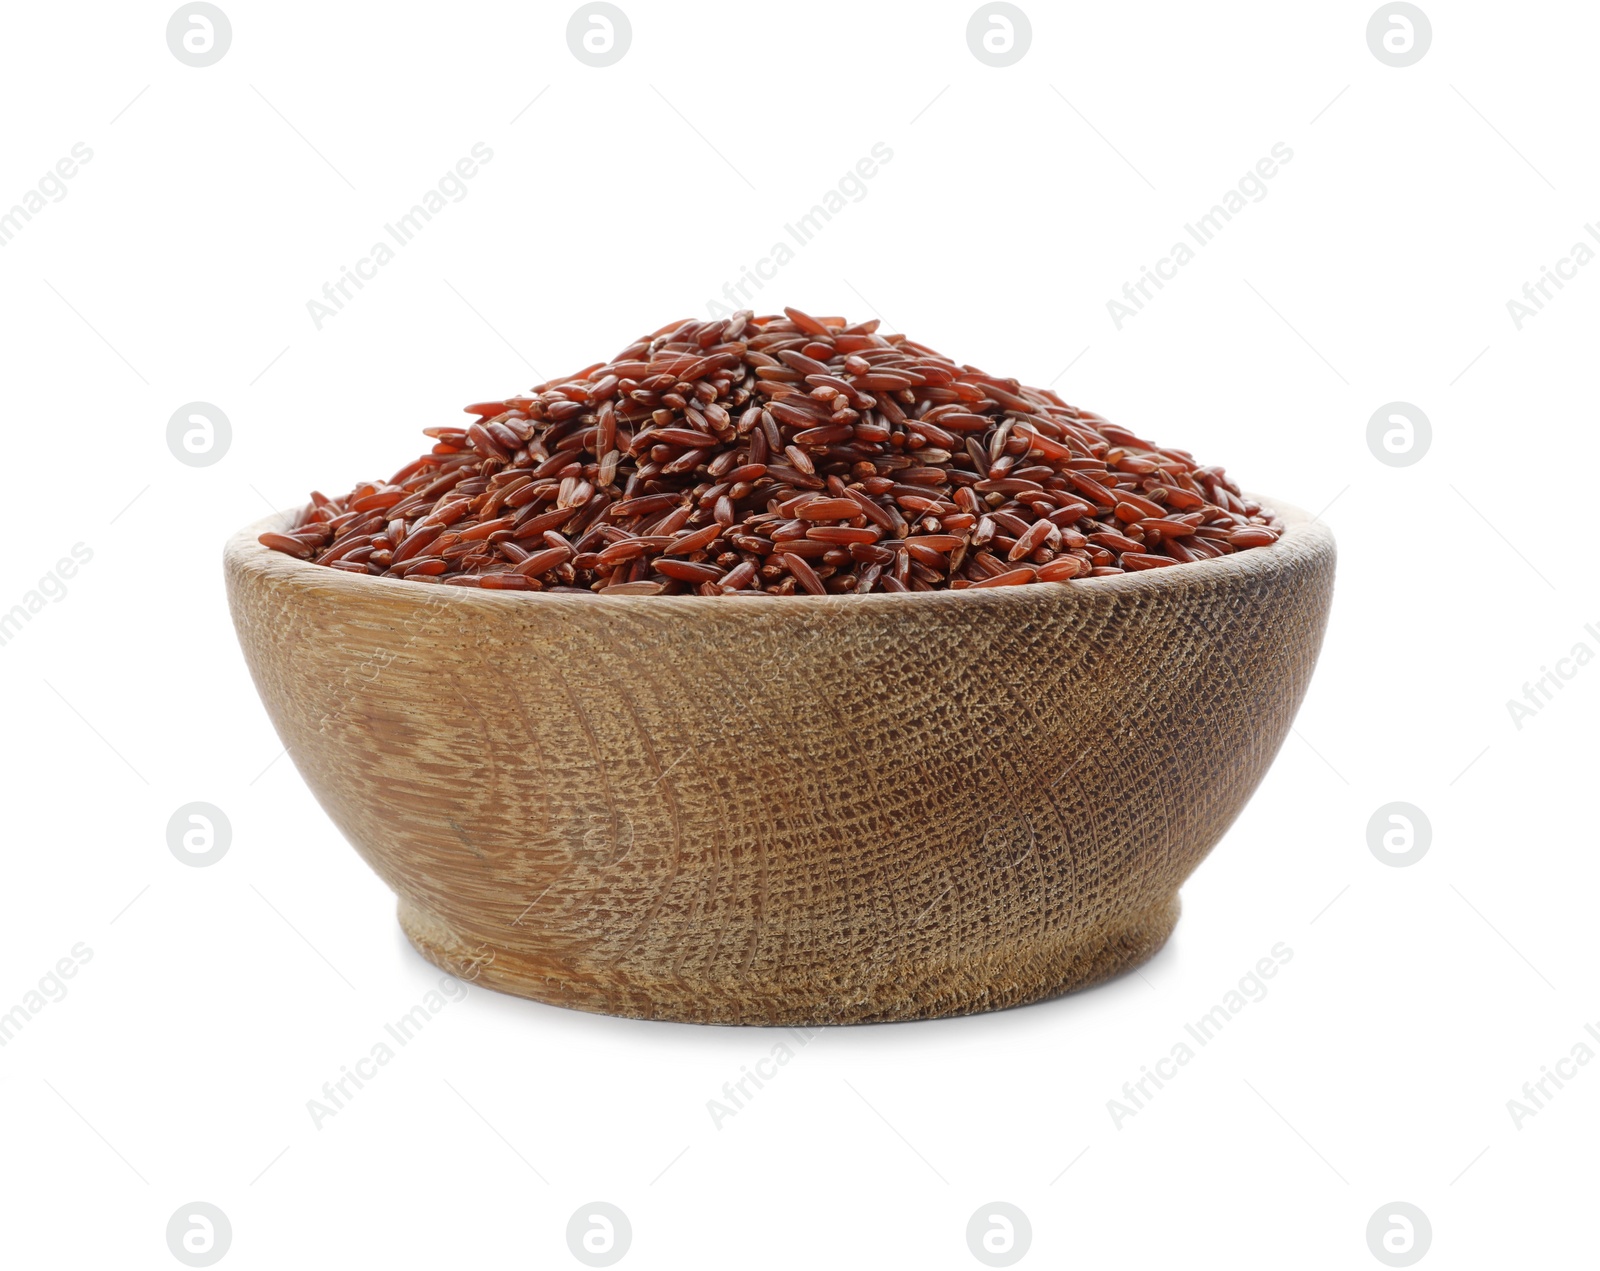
1027, 972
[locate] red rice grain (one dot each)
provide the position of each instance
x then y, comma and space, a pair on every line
787, 455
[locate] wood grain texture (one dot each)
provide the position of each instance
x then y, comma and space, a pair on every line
795, 810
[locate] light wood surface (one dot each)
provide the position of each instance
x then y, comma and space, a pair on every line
791, 810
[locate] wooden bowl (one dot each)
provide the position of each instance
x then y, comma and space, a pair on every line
791, 810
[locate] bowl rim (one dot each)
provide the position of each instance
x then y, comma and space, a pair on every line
1303, 535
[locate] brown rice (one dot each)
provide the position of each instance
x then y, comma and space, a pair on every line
784, 455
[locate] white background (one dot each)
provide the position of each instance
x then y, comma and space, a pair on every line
1377, 268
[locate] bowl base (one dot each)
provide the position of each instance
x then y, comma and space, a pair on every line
1028, 972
